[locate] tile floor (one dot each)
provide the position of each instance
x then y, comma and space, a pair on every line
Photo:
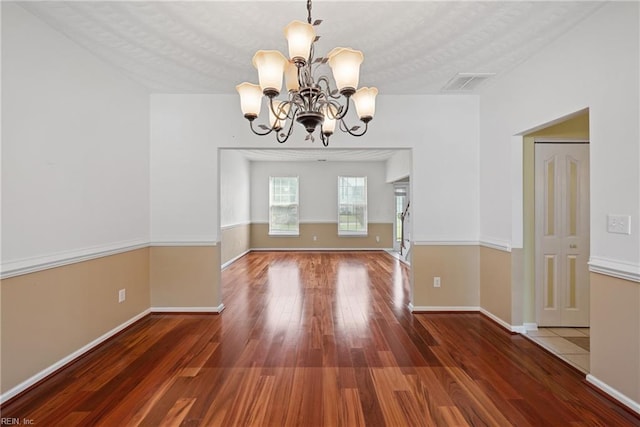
569, 344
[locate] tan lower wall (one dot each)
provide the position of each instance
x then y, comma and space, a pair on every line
50, 314
234, 241
457, 267
185, 276
615, 333
326, 237
495, 283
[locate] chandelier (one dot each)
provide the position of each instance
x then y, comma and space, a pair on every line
311, 100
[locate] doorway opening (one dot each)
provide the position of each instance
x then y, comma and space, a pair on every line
556, 237
402, 218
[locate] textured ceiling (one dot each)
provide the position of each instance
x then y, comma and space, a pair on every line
409, 47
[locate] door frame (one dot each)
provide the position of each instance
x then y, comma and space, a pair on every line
403, 185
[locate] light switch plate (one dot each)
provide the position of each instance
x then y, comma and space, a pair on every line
619, 224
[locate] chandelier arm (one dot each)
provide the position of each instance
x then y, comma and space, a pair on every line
297, 101
260, 133
345, 128
324, 138
337, 106
329, 92
281, 139
281, 109
312, 52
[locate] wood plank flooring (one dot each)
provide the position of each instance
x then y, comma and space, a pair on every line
317, 339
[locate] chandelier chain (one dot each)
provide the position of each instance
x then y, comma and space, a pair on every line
309, 11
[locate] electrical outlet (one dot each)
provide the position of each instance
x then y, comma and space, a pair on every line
436, 282
378, 239
315, 238
122, 295
619, 224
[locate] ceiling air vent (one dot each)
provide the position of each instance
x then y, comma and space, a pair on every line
466, 82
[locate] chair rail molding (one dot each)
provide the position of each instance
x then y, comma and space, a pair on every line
619, 269
45, 262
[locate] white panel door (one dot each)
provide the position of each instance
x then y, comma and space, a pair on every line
562, 234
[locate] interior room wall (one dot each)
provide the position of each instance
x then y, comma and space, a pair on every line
187, 130
441, 131
564, 78
318, 204
75, 199
75, 148
318, 189
399, 165
235, 205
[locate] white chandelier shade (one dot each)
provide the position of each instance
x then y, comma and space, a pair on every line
300, 36
291, 77
365, 101
250, 99
345, 65
310, 100
270, 65
329, 123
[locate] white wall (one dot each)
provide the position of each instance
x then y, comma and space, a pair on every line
442, 131
399, 166
75, 148
594, 66
235, 189
184, 162
318, 189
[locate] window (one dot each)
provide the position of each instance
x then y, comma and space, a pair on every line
352, 205
283, 205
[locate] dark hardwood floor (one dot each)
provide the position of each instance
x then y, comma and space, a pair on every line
317, 339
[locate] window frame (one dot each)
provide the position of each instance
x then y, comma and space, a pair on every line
364, 231
280, 232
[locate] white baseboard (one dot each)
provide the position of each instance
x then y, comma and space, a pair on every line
316, 249
521, 329
625, 400
499, 321
217, 309
231, 261
68, 359
530, 326
431, 308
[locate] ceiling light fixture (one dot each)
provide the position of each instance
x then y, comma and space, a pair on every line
311, 100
